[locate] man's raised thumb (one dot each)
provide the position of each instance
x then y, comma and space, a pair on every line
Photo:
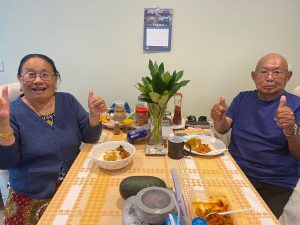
282, 102
222, 101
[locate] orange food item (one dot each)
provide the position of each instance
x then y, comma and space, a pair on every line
216, 203
104, 118
216, 219
196, 145
123, 153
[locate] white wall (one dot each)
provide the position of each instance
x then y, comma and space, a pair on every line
99, 44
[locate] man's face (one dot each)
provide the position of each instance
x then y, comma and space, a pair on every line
270, 77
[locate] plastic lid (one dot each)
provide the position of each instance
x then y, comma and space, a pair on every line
154, 204
199, 221
141, 110
127, 121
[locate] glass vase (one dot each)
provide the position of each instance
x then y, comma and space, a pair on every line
156, 112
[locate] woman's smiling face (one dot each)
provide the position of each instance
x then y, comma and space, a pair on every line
38, 80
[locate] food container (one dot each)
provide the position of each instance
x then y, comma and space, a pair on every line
119, 111
200, 203
153, 204
141, 116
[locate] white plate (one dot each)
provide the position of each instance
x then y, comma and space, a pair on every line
217, 146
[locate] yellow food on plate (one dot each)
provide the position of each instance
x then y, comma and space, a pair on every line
196, 145
116, 154
110, 155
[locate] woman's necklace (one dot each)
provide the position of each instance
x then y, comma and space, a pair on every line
49, 118
46, 112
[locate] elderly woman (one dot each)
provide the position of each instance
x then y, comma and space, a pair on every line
40, 135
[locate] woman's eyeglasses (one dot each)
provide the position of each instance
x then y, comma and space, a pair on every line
31, 76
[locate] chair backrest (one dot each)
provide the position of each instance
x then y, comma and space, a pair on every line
296, 91
290, 215
13, 91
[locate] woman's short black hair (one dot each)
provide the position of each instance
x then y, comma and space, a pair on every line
44, 57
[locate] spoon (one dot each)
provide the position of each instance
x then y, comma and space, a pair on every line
228, 212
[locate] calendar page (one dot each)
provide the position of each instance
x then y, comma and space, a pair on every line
157, 29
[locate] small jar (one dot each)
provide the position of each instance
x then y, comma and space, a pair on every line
119, 112
141, 116
117, 128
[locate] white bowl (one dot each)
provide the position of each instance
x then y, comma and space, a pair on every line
99, 149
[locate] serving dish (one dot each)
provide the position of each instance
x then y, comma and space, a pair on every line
201, 203
216, 145
99, 150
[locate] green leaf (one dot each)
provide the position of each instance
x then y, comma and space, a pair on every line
161, 68
145, 81
155, 66
163, 100
149, 88
166, 92
166, 78
178, 75
151, 68
154, 96
145, 98
141, 88
158, 84
172, 82
149, 80
178, 86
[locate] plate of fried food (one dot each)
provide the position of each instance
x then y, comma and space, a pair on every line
204, 145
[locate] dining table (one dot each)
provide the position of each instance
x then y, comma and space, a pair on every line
90, 195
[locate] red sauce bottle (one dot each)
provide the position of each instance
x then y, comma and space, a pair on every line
177, 109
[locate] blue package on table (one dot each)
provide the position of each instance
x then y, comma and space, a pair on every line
138, 134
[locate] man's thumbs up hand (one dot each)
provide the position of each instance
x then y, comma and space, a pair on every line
218, 110
285, 117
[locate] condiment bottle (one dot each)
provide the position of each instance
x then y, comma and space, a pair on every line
177, 109
117, 128
119, 112
141, 116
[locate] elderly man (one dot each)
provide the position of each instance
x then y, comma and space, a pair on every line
265, 139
